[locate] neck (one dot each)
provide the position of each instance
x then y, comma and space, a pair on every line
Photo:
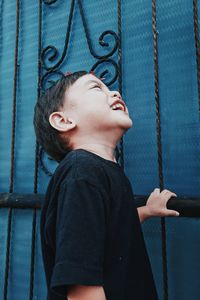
101, 144
103, 150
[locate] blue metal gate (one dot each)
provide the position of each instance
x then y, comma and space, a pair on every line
149, 50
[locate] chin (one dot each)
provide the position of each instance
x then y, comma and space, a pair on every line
127, 124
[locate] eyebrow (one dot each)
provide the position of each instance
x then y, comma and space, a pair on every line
92, 80
102, 84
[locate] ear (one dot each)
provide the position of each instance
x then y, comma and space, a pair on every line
60, 122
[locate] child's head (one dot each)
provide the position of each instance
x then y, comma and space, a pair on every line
77, 110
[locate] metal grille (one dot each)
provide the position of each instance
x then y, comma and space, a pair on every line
52, 62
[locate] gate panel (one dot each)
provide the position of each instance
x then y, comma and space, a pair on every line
149, 51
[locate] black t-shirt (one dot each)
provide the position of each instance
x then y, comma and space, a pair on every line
91, 233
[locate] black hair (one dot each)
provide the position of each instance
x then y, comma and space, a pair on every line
52, 100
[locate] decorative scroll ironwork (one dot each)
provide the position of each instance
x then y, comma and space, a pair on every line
46, 79
50, 53
52, 50
103, 74
45, 169
101, 38
49, 2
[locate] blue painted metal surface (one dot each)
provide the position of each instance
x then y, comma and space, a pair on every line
179, 121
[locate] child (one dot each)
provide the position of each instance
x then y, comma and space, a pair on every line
92, 242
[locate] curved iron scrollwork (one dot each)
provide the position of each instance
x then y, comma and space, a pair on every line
101, 38
105, 72
49, 2
42, 155
46, 78
50, 53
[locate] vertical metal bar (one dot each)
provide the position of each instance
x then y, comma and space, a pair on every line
1, 43
32, 266
1, 26
12, 149
31, 284
5, 291
38, 91
159, 148
14, 99
120, 71
196, 37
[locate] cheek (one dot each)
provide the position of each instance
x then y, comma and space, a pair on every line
99, 117
95, 109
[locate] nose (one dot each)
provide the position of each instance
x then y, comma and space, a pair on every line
116, 94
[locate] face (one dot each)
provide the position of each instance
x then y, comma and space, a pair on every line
94, 107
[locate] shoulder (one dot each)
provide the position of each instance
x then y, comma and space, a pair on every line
81, 165
85, 185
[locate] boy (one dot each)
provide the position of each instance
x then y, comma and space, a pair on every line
92, 243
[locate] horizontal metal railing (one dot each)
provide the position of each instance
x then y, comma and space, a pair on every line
186, 206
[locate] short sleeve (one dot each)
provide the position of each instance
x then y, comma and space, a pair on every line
80, 236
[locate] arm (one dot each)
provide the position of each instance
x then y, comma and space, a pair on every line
80, 241
156, 206
80, 292
143, 213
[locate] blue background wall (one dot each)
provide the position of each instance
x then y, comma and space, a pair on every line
179, 120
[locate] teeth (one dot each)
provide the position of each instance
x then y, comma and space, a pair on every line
118, 105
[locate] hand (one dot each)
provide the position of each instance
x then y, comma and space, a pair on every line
157, 204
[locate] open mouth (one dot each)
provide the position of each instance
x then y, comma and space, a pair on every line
118, 105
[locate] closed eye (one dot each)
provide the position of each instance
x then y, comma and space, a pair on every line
96, 86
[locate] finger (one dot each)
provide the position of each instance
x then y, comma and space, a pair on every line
165, 191
168, 194
156, 191
170, 213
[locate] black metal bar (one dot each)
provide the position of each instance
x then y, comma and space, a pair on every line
197, 46
14, 99
121, 145
12, 150
32, 265
159, 148
15, 200
186, 206
1, 26
38, 91
5, 290
32, 256
119, 45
